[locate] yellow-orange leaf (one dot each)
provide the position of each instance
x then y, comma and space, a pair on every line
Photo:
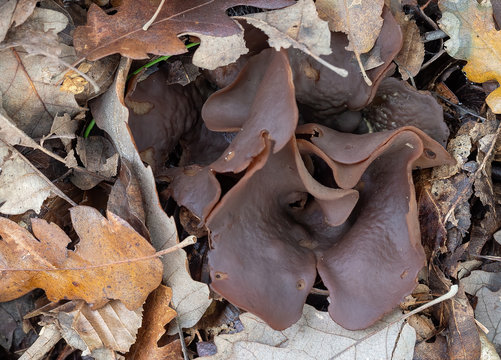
96, 271
473, 37
157, 314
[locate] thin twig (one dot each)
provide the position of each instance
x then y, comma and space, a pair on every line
450, 294
319, 292
190, 240
148, 24
181, 338
462, 108
434, 35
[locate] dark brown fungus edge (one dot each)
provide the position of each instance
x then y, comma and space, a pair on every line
245, 107
264, 254
398, 104
351, 154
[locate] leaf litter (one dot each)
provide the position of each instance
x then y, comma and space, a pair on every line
49, 96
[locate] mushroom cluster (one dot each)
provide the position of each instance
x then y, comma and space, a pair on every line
286, 199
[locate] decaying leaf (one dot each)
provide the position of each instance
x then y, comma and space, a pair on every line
360, 20
463, 335
190, 298
473, 37
411, 56
157, 314
123, 32
14, 12
29, 95
99, 157
297, 26
487, 287
21, 187
106, 330
316, 337
87, 273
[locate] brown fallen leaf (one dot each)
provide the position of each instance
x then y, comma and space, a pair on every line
99, 157
315, 336
106, 330
190, 298
89, 272
463, 339
298, 26
123, 32
30, 97
473, 37
126, 201
411, 56
22, 186
157, 314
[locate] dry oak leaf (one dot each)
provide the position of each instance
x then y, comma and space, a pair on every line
473, 37
97, 271
360, 20
157, 314
316, 337
29, 95
123, 32
103, 331
21, 186
296, 26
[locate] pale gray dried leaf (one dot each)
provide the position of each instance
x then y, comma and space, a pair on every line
298, 26
64, 127
215, 51
21, 187
488, 312
294, 26
315, 336
13, 12
190, 298
30, 97
99, 157
360, 20
7, 8
110, 328
479, 279
488, 350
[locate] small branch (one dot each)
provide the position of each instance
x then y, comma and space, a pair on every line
364, 74
181, 338
148, 24
190, 240
319, 292
434, 35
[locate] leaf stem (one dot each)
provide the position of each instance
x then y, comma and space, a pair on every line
190, 240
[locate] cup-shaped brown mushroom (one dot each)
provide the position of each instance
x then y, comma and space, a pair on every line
266, 246
282, 222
